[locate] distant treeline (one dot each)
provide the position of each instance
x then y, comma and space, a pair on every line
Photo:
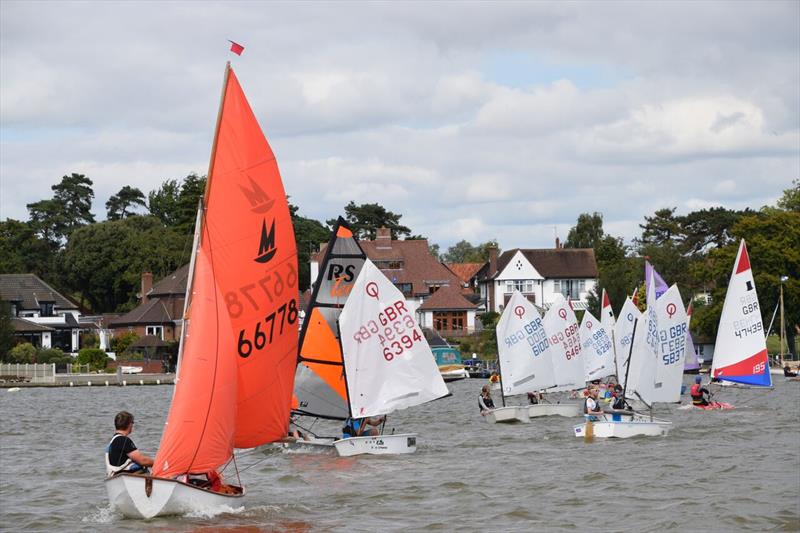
99, 264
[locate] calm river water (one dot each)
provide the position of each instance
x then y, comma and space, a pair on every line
719, 471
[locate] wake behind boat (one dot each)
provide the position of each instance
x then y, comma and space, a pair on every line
233, 386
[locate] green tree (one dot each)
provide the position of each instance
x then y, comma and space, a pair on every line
708, 227
308, 234
104, 261
790, 201
773, 244
124, 202
663, 227
175, 204
69, 209
23, 251
365, 219
465, 252
120, 343
587, 233
6, 330
94, 357
22, 353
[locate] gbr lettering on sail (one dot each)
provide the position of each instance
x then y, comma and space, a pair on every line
393, 326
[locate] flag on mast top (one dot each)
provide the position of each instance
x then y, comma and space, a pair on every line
236, 48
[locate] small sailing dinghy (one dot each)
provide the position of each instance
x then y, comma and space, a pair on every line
239, 342
597, 348
654, 370
319, 384
524, 358
388, 364
740, 352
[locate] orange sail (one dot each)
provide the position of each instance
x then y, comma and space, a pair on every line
319, 384
239, 348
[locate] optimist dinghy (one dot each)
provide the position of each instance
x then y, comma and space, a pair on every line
387, 362
655, 369
239, 342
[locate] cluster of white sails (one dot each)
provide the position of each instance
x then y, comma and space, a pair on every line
556, 353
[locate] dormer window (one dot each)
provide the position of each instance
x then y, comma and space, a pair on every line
46, 308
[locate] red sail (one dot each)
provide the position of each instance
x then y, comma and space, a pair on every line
238, 356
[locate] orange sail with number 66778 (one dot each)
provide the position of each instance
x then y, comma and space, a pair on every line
239, 343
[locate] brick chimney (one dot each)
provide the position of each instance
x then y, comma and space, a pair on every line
147, 285
558, 243
383, 238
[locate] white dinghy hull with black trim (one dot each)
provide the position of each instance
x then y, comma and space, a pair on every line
626, 426
508, 415
377, 445
568, 410
129, 494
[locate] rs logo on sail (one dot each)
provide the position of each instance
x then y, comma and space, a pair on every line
266, 248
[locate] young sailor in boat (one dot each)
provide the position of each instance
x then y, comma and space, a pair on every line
619, 399
357, 427
121, 453
485, 401
699, 393
591, 407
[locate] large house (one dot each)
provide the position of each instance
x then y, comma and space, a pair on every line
40, 315
539, 274
420, 277
160, 312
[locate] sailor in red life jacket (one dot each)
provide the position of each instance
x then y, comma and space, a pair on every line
698, 393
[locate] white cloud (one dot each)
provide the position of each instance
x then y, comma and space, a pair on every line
392, 103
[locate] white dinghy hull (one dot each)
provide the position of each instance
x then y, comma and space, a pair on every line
626, 426
568, 410
311, 445
377, 445
508, 415
127, 494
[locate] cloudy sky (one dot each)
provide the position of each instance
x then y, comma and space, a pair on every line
473, 120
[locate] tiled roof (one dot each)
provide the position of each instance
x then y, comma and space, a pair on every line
419, 267
26, 326
447, 299
172, 285
30, 291
155, 311
555, 263
465, 271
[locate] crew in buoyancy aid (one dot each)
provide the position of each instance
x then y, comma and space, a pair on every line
485, 402
121, 453
357, 427
591, 407
698, 393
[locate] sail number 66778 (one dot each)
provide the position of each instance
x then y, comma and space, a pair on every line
287, 312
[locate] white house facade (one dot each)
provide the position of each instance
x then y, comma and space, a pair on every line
539, 274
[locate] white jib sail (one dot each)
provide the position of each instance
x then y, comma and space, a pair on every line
672, 323
561, 326
597, 349
642, 373
740, 336
387, 361
526, 364
623, 335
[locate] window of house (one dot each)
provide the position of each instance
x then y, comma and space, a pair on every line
46, 308
570, 288
405, 288
524, 286
158, 331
